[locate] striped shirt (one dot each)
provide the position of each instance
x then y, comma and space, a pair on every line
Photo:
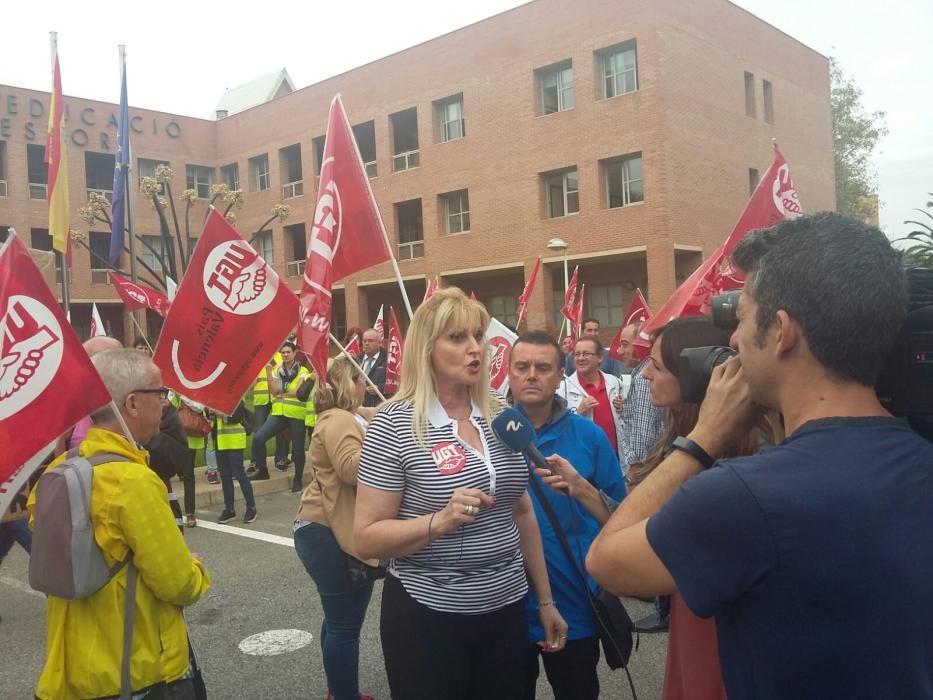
642, 421
476, 568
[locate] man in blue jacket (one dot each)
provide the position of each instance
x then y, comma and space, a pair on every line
588, 476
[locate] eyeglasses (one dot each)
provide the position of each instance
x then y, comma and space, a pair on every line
161, 391
583, 354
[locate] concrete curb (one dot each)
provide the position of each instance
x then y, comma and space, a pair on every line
211, 494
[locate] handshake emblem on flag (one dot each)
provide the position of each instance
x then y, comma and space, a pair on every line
30, 352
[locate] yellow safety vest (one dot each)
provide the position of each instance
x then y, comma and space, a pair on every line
230, 436
261, 394
290, 406
311, 415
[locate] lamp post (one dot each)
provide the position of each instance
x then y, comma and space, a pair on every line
559, 244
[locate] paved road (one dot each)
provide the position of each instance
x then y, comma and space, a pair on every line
257, 586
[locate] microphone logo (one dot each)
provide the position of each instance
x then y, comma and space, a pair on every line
513, 426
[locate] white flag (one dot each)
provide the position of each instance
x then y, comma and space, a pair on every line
380, 325
97, 325
499, 340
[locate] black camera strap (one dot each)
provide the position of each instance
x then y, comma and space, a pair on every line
565, 545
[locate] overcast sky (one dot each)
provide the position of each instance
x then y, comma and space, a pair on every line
183, 55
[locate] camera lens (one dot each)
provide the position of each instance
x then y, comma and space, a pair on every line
715, 358
724, 310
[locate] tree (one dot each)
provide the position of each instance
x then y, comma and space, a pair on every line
921, 238
856, 134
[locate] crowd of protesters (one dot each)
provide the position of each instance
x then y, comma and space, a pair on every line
789, 494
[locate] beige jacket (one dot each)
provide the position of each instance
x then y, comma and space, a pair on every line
330, 498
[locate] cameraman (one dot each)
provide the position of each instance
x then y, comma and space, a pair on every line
833, 527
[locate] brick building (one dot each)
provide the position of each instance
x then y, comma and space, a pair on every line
631, 130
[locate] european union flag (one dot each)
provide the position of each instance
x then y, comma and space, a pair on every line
121, 172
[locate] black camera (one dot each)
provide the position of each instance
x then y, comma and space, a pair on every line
696, 366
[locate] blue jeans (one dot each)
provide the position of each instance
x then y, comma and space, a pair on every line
230, 467
271, 427
344, 607
260, 416
12, 532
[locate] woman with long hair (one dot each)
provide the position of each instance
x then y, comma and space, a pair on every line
446, 501
324, 524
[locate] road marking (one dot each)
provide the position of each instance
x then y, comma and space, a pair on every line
275, 642
251, 534
20, 586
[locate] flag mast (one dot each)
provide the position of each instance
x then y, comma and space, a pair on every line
61, 256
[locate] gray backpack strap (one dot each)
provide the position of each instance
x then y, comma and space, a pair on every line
129, 612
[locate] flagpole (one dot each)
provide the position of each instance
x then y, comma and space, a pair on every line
385, 235
123, 425
59, 256
142, 333
343, 351
130, 205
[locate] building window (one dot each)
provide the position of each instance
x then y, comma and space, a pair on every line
263, 246
365, 135
410, 229
152, 252
753, 178
503, 309
405, 155
562, 193
290, 171
768, 95
98, 173
624, 182
259, 172
230, 176
99, 244
749, 94
556, 83
3, 187
456, 208
317, 147
618, 69
4, 233
604, 303
37, 171
40, 239
295, 242
146, 167
450, 118
199, 178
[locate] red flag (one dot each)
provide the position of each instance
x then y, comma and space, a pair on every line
347, 234
47, 381
522, 312
394, 355
773, 200
353, 347
638, 312
432, 287
138, 296
577, 319
228, 318
570, 297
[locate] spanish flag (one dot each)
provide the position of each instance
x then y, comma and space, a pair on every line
56, 155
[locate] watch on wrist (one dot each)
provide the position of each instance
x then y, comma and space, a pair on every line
691, 448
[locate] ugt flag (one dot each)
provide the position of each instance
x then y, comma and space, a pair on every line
47, 381
229, 317
522, 312
379, 326
499, 341
353, 347
346, 236
774, 199
570, 298
393, 355
137, 296
638, 312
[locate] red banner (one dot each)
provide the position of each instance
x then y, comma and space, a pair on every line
138, 296
570, 297
576, 319
230, 315
774, 199
638, 312
522, 312
353, 347
393, 355
47, 381
346, 236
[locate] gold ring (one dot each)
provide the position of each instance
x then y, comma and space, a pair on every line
469, 510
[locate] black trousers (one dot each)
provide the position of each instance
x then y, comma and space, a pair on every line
570, 671
430, 654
